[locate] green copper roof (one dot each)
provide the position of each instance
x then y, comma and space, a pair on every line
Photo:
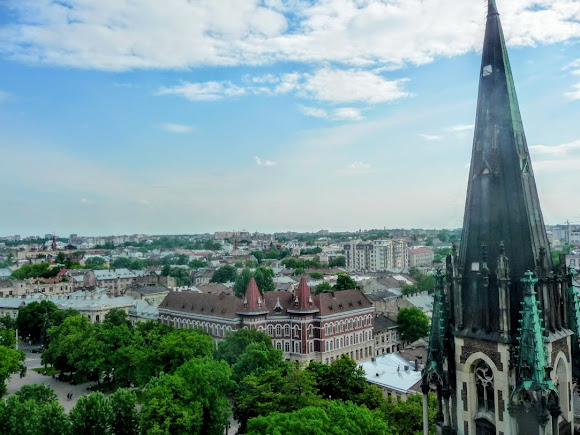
439, 330
532, 343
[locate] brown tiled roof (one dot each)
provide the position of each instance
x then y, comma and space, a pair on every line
218, 305
341, 301
278, 302
214, 288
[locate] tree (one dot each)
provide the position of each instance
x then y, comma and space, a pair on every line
283, 389
242, 280
337, 262
125, 418
196, 263
257, 358
337, 419
166, 270
232, 348
258, 255
264, 279
225, 273
193, 400
92, 415
322, 287
38, 393
343, 379
344, 282
60, 258
7, 322
36, 318
316, 275
26, 416
406, 417
96, 263
40, 270
413, 323
11, 361
181, 276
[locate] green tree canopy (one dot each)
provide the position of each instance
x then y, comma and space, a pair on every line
227, 273
40, 270
406, 417
258, 255
337, 262
23, 415
36, 318
125, 418
338, 418
323, 286
11, 361
192, 401
344, 282
96, 263
283, 389
413, 323
92, 414
257, 358
232, 348
264, 280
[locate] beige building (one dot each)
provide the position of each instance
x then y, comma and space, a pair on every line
376, 255
386, 335
421, 257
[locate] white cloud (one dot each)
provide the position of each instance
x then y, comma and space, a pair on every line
177, 128
261, 162
558, 166
429, 137
341, 86
461, 127
313, 111
85, 201
356, 168
326, 84
347, 114
178, 34
204, 91
556, 150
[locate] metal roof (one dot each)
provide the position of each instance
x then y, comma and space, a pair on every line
388, 371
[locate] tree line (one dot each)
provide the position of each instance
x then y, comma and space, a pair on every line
186, 385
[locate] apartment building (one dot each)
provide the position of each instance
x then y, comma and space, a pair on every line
376, 255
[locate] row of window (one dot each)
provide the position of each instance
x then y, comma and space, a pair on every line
349, 340
354, 354
347, 325
209, 327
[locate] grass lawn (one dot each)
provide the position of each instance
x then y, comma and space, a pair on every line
49, 371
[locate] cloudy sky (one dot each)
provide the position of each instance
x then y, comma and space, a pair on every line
183, 116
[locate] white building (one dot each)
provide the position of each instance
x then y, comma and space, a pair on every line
376, 255
393, 375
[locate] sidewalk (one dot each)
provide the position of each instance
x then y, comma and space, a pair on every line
33, 378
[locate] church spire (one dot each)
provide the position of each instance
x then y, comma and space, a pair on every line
253, 302
502, 201
303, 299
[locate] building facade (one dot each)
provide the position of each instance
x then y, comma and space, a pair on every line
376, 255
421, 257
305, 327
387, 338
504, 331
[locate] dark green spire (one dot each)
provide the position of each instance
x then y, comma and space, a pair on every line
502, 201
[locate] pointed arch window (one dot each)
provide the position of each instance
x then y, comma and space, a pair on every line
484, 383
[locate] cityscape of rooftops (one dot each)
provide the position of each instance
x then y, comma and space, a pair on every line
289, 217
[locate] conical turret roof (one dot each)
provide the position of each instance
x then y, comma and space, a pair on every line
253, 302
303, 301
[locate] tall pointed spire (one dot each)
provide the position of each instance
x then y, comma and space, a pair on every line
502, 201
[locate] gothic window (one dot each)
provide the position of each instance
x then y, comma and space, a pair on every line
287, 347
278, 330
270, 330
484, 386
279, 346
287, 330
296, 331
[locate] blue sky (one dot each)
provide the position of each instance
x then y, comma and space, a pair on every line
179, 117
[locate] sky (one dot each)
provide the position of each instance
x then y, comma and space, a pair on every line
190, 116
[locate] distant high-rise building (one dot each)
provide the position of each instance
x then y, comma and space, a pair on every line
505, 320
376, 255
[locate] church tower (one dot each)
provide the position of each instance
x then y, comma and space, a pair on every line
504, 326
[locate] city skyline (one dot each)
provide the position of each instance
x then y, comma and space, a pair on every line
192, 118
